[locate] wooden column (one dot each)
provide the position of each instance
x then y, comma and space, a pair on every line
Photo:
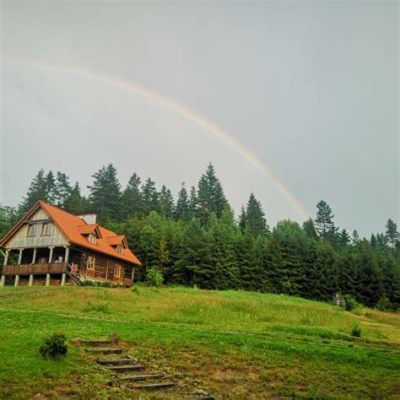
3, 277
66, 257
63, 276
47, 279
51, 254
20, 256
7, 252
133, 274
30, 283
34, 256
16, 282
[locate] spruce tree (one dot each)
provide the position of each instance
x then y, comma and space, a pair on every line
324, 222
41, 188
166, 201
309, 229
182, 204
131, 200
63, 189
256, 223
210, 196
105, 193
150, 197
75, 203
392, 235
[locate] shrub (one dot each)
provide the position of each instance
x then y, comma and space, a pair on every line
356, 330
54, 346
384, 304
351, 303
154, 277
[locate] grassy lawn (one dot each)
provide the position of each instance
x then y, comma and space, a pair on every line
234, 344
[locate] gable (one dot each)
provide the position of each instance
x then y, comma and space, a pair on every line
28, 235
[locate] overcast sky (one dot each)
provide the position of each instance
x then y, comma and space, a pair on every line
309, 88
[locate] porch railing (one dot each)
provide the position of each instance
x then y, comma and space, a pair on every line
34, 269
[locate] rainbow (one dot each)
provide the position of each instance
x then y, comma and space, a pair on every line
210, 127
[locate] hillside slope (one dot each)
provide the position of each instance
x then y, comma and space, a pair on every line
238, 345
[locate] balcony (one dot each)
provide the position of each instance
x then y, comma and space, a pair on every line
34, 269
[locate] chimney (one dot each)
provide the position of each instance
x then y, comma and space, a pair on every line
88, 218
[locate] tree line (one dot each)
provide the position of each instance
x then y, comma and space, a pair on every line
196, 240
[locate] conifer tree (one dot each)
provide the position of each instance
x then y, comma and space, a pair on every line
309, 229
105, 193
182, 204
255, 217
392, 235
242, 219
63, 189
150, 197
75, 203
210, 196
166, 201
131, 201
324, 221
41, 188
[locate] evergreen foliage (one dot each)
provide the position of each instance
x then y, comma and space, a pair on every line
197, 242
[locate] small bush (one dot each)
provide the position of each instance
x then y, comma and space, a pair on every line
100, 307
351, 303
154, 277
135, 290
356, 330
384, 304
54, 347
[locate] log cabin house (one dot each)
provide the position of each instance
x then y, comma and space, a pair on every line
52, 246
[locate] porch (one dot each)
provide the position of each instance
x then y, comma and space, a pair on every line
47, 265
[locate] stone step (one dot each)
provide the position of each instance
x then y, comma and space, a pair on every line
135, 378
124, 368
95, 343
154, 386
115, 361
105, 350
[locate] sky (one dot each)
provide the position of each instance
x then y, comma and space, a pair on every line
294, 101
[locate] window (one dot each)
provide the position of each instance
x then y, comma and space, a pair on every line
46, 229
33, 230
90, 263
117, 270
92, 238
120, 249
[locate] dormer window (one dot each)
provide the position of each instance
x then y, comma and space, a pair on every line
120, 249
92, 238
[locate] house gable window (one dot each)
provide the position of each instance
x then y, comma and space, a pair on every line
91, 263
46, 229
33, 230
120, 249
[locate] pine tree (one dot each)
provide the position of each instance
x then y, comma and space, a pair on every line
309, 229
63, 189
242, 219
249, 270
150, 197
193, 203
344, 238
255, 217
131, 201
105, 193
210, 196
182, 204
75, 203
324, 221
392, 235
167, 206
41, 188
193, 265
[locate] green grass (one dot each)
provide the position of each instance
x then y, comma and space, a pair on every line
235, 344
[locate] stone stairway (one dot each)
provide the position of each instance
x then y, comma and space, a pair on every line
126, 369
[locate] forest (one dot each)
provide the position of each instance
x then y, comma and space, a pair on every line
196, 240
